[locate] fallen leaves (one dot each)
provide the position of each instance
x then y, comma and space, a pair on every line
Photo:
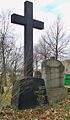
61, 112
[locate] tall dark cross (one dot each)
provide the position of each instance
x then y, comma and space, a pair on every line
29, 23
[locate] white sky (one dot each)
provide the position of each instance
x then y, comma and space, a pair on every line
44, 10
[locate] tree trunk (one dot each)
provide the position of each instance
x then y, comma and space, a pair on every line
4, 65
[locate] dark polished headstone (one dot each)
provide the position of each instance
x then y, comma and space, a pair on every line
24, 92
29, 23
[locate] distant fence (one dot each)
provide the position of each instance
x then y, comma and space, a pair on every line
67, 79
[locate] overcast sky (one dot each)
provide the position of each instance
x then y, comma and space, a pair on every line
44, 10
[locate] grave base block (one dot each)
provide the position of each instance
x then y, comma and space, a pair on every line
24, 92
56, 94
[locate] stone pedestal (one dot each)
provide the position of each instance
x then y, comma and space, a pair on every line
24, 92
56, 94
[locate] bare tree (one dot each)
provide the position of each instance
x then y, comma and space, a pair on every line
36, 58
16, 64
55, 42
6, 44
41, 52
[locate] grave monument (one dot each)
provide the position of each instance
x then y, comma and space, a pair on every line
29, 23
24, 91
53, 75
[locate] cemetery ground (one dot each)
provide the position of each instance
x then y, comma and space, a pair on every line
59, 110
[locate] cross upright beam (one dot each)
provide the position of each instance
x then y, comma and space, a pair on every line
29, 23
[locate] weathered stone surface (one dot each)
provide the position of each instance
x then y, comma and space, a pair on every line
53, 75
66, 64
56, 94
24, 96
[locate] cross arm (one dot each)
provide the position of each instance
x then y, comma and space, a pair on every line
18, 19
38, 24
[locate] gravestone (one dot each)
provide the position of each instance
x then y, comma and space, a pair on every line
53, 75
24, 93
66, 64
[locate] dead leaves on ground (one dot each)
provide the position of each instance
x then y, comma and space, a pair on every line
61, 111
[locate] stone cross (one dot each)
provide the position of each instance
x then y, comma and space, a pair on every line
29, 23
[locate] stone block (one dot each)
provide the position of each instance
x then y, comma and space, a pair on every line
23, 93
